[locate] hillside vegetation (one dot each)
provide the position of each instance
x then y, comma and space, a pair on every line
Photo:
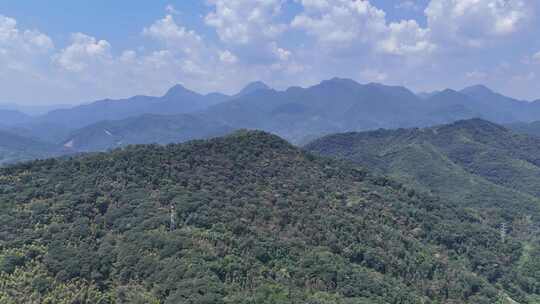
256, 220
473, 163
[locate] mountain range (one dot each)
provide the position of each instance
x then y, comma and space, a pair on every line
297, 114
340, 105
246, 218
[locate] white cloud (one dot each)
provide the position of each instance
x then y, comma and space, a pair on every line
24, 56
28, 41
19, 49
536, 58
245, 21
167, 31
405, 38
228, 57
83, 52
341, 21
475, 22
184, 51
251, 29
339, 24
280, 53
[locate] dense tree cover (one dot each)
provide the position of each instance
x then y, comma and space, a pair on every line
474, 163
257, 221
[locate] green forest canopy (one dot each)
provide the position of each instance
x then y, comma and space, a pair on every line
258, 221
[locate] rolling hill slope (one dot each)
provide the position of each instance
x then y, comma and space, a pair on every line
256, 220
144, 129
14, 148
531, 128
473, 162
10, 117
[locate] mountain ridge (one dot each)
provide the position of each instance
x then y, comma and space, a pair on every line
15, 148
297, 114
144, 129
472, 162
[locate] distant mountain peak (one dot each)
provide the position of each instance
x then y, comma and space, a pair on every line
337, 80
252, 87
177, 90
448, 92
477, 89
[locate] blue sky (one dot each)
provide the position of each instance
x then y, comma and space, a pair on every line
76, 51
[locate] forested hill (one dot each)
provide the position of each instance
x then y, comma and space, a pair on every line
474, 163
257, 221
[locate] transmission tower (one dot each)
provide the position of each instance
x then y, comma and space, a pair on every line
503, 232
173, 218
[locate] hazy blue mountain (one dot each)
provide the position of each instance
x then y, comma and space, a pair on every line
450, 105
332, 106
252, 87
12, 117
529, 128
49, 132
144, 129
177, 100
14, 148
500, 108
33, 110
478, 101
216, 97
297, 114
426, 95
340, 105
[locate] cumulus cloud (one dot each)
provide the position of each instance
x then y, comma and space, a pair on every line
339, 24
250, 28
245, 21
166, 30
405, 38
227, 57
280, 53
28, 41
83, 52
22, 50
475, 22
